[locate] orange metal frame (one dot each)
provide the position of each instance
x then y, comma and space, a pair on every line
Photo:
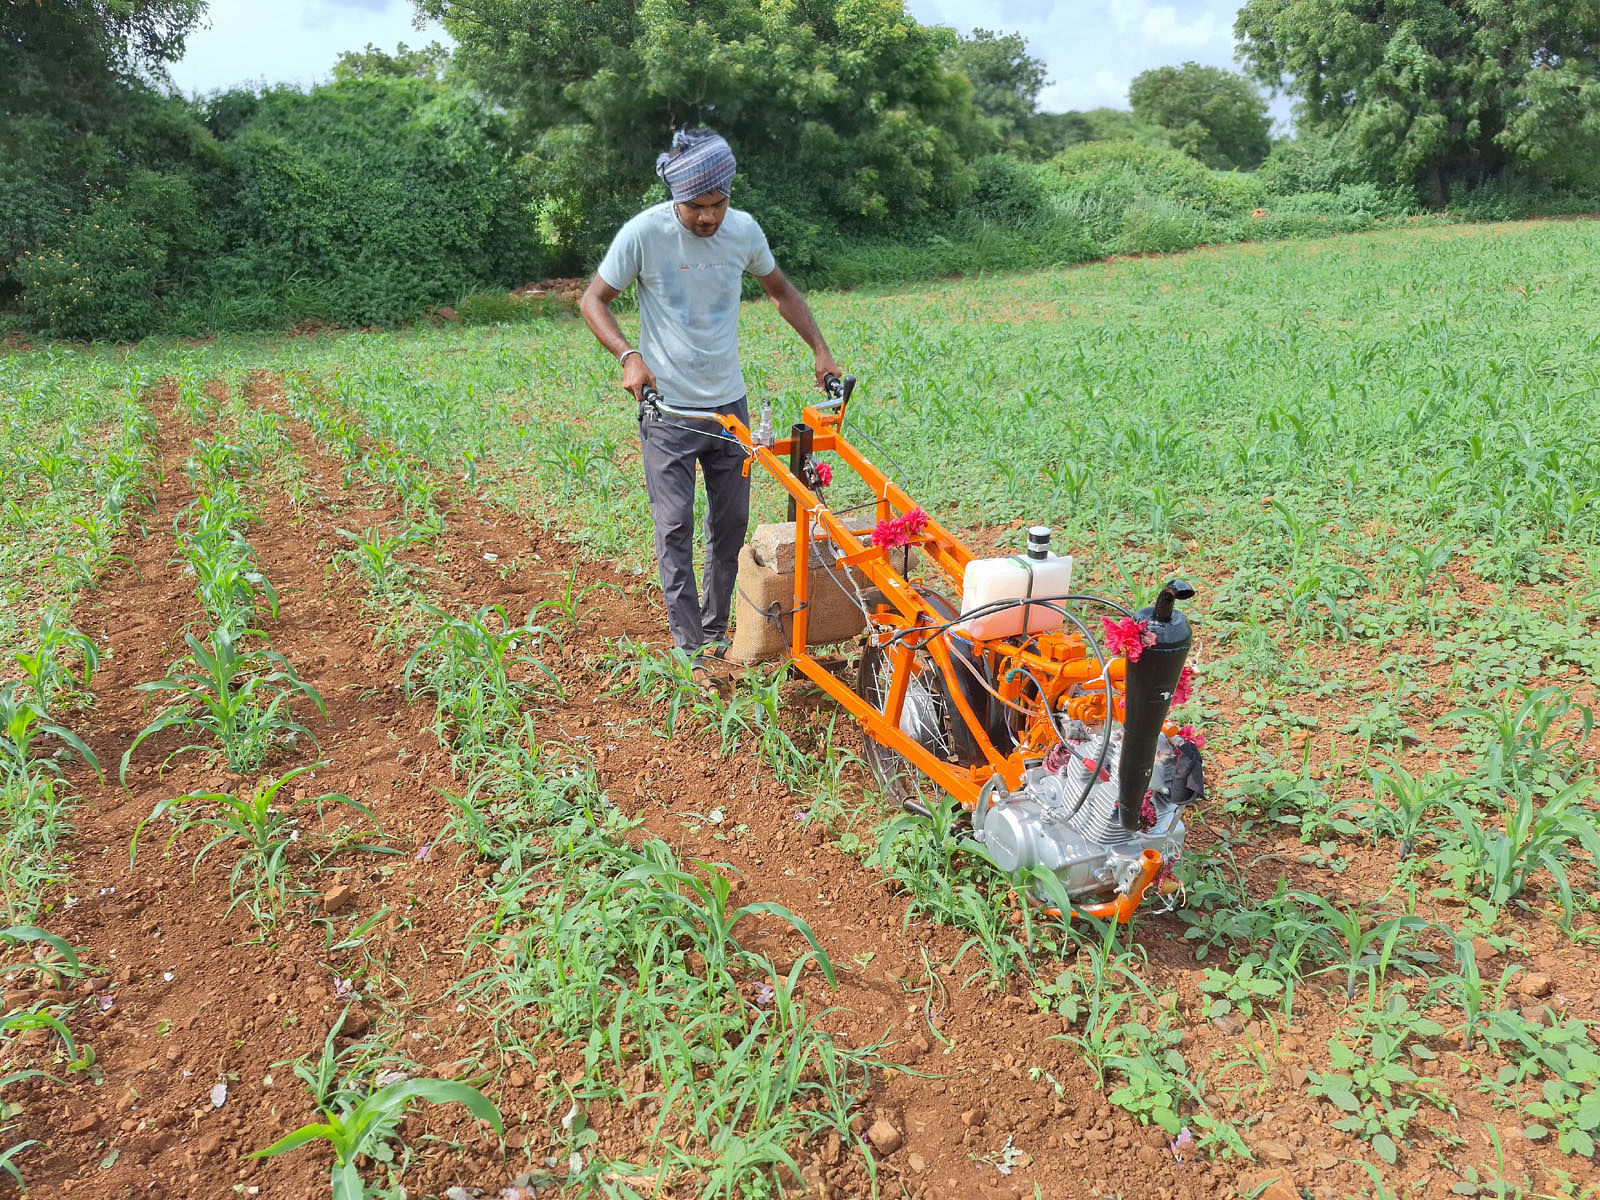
1056, 661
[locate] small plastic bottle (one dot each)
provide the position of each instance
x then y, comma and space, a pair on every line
764, 435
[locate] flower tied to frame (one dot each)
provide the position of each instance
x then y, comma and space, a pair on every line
817, 474
892, 532
1127, 637
1185, 688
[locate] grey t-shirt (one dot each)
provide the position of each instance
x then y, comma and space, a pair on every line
689, 299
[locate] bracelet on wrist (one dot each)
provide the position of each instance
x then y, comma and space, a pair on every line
623, 357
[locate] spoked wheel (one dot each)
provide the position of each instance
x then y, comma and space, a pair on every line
924, 717
927, 716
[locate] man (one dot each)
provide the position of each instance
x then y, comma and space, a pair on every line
688, 256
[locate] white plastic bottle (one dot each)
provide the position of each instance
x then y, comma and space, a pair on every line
763, 435
1015, 577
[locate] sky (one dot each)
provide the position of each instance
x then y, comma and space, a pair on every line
1092, 49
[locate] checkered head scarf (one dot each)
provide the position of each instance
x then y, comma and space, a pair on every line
699, 162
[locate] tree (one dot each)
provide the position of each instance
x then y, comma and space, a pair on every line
1433, 93
842, 112
1005, 79
429, 62
78, 44
1213, 114
79, 113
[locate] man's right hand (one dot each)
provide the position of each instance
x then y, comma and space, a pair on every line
636, 376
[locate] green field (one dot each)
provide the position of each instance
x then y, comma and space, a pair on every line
1377, 457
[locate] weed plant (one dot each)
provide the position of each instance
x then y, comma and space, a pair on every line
524, 786
263, 830
481, 669
1372, 1080
643, 953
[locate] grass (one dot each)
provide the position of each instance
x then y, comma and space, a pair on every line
1378, 455
1347, 441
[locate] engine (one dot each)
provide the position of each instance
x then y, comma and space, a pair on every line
1066, 816
1100, 801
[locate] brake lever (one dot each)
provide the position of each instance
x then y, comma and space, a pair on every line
649, 401
838, 389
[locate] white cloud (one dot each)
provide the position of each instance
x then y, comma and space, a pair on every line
331, 14
290, 41
1103, 89
1162, 25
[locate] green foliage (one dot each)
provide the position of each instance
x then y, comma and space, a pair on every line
1311, 161
1347, 200
46, 668
263, 827
1107, 169
426, 62
235, 695
1129, 197
1008, 190
1372, 1081
79, 119
65, 964
99, 280
1215, 115
482, 669
853, 103
22, 723
369, 199
1005, 81
354, 1128
1438, 94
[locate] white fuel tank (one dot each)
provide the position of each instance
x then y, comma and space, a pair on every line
1014, 577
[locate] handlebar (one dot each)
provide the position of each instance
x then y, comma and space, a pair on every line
651, 399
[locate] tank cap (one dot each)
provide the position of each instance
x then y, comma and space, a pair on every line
1039, 541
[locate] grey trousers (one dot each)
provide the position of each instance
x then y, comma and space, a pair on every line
672, 447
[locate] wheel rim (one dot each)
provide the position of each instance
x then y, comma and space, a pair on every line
924, 718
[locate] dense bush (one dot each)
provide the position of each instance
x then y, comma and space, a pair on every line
363, 201
1510, 199
1311, 162
99, 279
369, 200
1156, 224
1008, 189
1130, 169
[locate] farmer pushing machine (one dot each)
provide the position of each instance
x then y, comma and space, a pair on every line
1055, 742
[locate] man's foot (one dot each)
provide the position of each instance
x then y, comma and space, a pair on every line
708, 681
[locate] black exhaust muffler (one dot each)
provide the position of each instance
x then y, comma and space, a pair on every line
1147, 696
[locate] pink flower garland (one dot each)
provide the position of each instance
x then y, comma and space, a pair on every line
1147, 812
1189, 734
1185, 688
824, 473
1127, 637
899, 531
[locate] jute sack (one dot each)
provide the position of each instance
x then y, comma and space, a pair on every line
764, 621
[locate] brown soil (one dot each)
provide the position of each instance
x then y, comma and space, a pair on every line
186, 997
